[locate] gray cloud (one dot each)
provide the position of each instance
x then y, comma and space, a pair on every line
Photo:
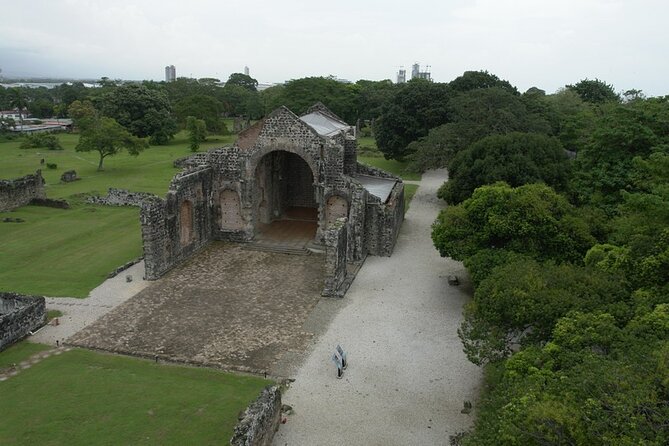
545, 43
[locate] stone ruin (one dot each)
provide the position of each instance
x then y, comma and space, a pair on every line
21, 191
19, 315
285, 172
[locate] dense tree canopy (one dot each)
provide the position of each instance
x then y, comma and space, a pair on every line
473, 80
143, 111
530, 219
515, 158
415, 108
595, 91
475, 114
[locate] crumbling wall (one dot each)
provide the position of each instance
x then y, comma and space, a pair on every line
260, 420
335, 258
19, 315
364, 169
121, 197
167, 242
21, 191
383, 222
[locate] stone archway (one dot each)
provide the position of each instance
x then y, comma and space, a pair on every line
285, 186
286, 208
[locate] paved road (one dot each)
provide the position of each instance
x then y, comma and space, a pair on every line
408, 378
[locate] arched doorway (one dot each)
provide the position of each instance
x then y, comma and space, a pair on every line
286, 208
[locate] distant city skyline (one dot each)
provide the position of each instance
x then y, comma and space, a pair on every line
542, 43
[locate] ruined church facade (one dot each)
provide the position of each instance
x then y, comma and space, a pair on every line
283, 168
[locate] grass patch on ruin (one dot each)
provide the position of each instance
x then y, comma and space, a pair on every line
19, 352
66, 252
368, 153
409, 192
82, 397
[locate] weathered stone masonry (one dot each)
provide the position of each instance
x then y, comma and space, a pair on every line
19, 315
21, 191
279, 163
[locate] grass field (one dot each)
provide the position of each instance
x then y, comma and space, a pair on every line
66, 252
19, 352
151, 171
86, 398
69, 252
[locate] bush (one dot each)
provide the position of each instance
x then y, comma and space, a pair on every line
36, 140
51, 166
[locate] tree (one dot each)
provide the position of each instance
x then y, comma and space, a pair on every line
604, 167
102, 134
515, 158
595, 91
18, 99
143, 111
531, 220
242, 80
475, 114
207, 108
415, 108
197, 132
472, 80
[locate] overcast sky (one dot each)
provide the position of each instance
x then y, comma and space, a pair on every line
543, 43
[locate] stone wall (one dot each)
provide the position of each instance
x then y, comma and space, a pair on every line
260, 420
178, 226
19, 315
121, 197
384, 221
21, 191
364, 169
335, 258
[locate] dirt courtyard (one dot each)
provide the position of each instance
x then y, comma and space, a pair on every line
225, 307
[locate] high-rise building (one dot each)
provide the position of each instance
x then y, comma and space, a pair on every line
246, 71
417, 74
170, 73
401, 76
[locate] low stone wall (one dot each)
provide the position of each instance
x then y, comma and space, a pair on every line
260, 420
50, 203
364, 169
121, 197
384, 221
21, 191
19, 315
335, 258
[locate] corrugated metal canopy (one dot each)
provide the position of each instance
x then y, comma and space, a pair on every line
324, 125
380, 187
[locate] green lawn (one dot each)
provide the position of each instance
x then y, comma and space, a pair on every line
19, 352
69, 252
86, 398
151, 171
66, 252
369, 154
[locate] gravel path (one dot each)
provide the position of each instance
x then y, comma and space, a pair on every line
407, 377
79, 313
